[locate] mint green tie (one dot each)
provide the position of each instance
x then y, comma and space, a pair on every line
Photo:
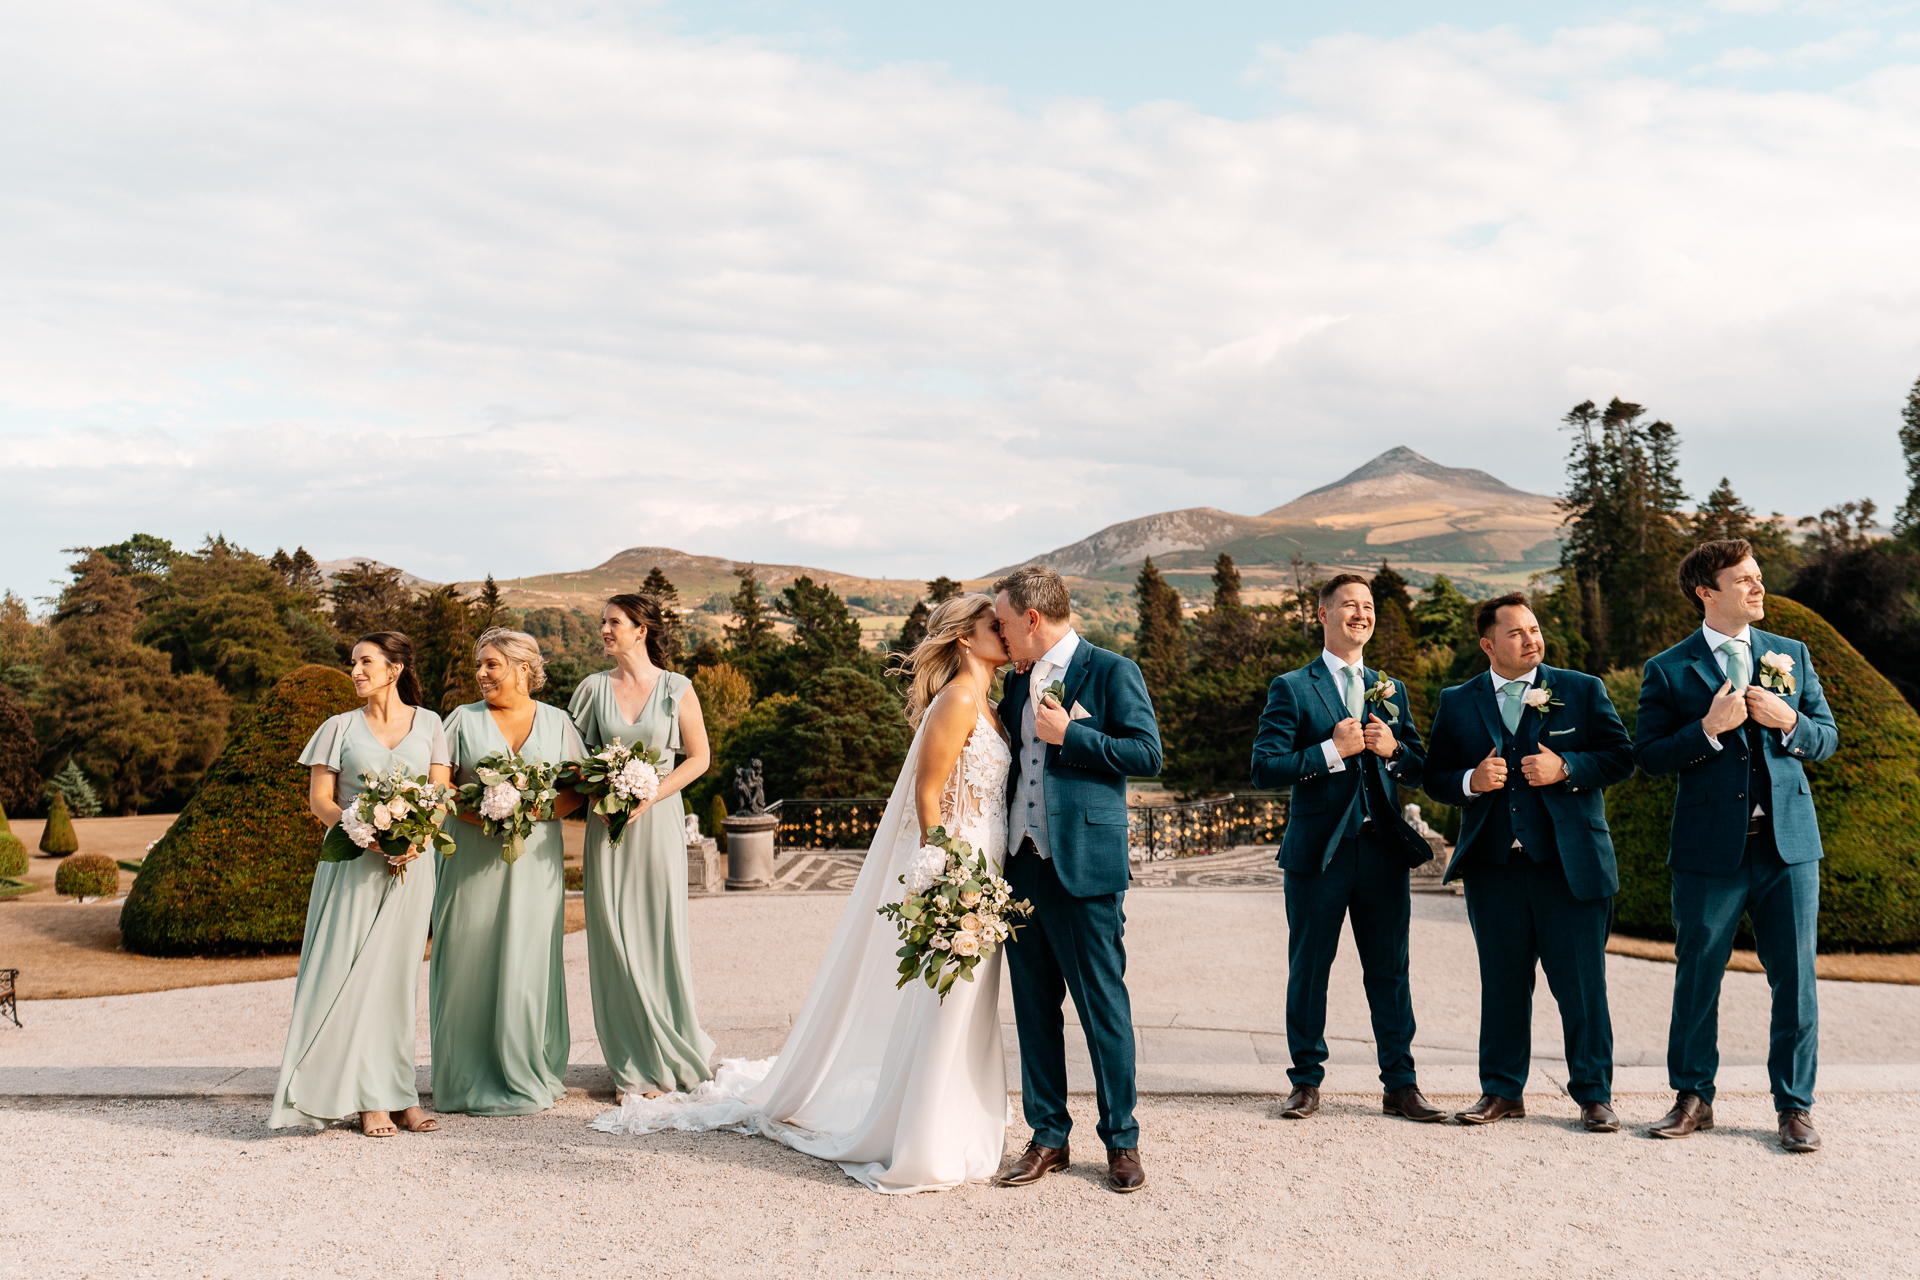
1354, 676
1736, 664
1516, 691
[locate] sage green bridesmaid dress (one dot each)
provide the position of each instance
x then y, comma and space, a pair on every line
497, 983
350, 1044
636, 900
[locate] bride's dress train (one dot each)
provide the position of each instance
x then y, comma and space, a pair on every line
903, 1092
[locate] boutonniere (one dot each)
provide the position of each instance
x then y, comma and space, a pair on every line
1057, 691
1380, 696
1776, 672
1541, 699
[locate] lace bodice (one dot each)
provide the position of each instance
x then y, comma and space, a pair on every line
974, 804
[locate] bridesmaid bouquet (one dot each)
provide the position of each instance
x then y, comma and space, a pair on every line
619, 779
393, 813
509, 788
956, 913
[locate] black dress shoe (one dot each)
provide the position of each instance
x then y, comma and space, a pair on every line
1797, 1133
1301, 1103
1124, 1172
1690, 1113
1491, 1108
1406, 1101
1598, 1117
1035, 1163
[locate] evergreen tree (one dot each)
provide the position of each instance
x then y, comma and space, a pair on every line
72, 786
220, 611
300, 573
1906, 520
673, 643
849, 736
751, 633
1160, 642
1389, 585
1228, 634
913, 628
143, 557
19, 753
489, 610
367, 598
1723, 515
1442, 617
825, 633
115, 705
443, 627
1625, 534
942, 589
23, 644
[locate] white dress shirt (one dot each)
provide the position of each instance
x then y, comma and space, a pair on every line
1335, 763
1500, 696
1745, 641
1052, 666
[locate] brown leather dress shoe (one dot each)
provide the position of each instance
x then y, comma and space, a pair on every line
1406, 1101
1124, 1173
1301, 1103
1689, 1113
1035, 1163
1797, 1133
1490, 1108
1598, 1117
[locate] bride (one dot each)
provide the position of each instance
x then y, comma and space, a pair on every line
904, 1092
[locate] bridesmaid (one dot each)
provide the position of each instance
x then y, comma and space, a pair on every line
496, 985
636, 891
350, 1045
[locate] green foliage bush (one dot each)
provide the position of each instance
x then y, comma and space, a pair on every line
1866, 796
71, 783
13, 856
233, 872
717, 814
87, 875
57, 837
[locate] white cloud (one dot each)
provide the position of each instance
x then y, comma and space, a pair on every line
473, 292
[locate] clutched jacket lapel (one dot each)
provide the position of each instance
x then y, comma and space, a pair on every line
1076, 674
1702, 660
1325, 681
1533, 719
1487, 702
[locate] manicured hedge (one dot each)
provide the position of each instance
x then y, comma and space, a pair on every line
13, 856
57, 838
1867, 797
233, 873
87, 875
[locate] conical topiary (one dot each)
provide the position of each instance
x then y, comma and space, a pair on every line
233, 872
1865, 796
716, 815
5, 828
57, 838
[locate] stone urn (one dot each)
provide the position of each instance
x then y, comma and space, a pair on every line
750, 850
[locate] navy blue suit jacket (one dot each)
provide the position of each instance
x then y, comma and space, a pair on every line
1302, 708
1711, 808
1584, 729
1087, 774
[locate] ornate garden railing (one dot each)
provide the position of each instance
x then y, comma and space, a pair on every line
1156, 832
827, 824
1153, 832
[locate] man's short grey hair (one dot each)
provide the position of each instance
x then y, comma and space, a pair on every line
1037, 586
516, 647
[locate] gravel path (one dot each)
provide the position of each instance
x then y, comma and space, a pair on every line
199, 1188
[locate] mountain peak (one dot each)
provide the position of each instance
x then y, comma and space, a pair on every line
1402, 461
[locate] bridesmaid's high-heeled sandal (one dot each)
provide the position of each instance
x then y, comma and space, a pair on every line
389, 1131
425, 1124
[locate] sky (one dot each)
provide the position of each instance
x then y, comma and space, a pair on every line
902, 288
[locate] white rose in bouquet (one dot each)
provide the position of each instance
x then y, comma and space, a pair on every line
970, 898
970, 923
398, 807
966, 943
382, 816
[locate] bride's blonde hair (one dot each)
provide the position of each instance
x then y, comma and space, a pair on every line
935, 661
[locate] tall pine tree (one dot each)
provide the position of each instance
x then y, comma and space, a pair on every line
1160, 642
674, 642
1906, 520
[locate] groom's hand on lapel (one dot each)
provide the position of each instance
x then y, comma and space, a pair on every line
1050, 721
1379, 738
1349, 739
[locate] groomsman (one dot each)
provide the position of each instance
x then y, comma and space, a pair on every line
1735, 712
1342, 736
1527, 750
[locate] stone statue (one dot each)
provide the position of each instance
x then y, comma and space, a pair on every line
693, 827
748, 788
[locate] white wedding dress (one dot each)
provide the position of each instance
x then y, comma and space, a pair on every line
903, 1092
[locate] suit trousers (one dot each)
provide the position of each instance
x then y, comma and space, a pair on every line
1525, 918
1783, 901
1366, 879
1070, 946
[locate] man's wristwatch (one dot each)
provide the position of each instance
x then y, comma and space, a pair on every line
1399, 749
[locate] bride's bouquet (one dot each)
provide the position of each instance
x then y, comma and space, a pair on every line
393, 813
507, 791
619, 779
955, 914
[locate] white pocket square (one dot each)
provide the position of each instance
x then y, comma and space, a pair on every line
1079, 713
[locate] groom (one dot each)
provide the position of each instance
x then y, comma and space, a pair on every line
1081, 724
